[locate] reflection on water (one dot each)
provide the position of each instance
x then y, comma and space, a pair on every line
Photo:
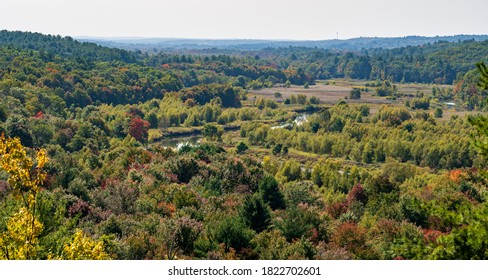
178, 142
298, 121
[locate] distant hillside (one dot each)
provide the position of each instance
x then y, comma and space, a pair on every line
152, 44
63, 46
441, 62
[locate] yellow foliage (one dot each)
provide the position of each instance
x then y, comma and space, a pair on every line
24, 178
83, 247
19, 241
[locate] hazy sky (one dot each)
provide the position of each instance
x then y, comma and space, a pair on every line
248, 19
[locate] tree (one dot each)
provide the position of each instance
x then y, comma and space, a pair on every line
138, 128
277, 149
232, 232
241, 147
211, 131
20, 239
355, 93
83, 247
438, 112
314, 100
480, 141
153, 120
255, 213
271, 193
483, 80
17, 127
3, 113
185, 168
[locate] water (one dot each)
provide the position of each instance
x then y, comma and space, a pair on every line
301, 119
178, 142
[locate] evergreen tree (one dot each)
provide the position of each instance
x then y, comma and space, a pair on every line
255, 213
270, 192
480, 122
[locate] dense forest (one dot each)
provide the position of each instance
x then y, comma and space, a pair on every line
388, 171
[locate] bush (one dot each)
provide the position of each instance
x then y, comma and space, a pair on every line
438, 113
241, 147
355, 93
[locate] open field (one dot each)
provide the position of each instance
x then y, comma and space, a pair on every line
329, 94
332, 91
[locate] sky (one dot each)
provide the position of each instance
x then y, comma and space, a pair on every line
246, 19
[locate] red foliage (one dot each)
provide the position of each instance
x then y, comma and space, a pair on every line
138, 129
39, 115
314, 235
336, 209
357, 193
80, 207
431, 235
387, 228
350, 236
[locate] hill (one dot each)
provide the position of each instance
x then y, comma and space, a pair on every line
354, 44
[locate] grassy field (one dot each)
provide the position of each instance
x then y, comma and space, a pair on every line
329, 94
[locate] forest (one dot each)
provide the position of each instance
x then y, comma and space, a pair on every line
277, 153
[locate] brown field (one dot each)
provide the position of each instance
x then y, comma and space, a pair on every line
332, 91
329, 94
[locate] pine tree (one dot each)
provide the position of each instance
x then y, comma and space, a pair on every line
483, 82
480, 140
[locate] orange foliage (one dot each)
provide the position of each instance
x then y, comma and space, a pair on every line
52, 70
454, 175
39, 115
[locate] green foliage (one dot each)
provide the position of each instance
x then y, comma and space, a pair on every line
291, 171
355, 93
301, 221
270, 192
185, 168
352, 181
483, 82
232, 232
420, 103
212, 132
438, 112
466, 243
255, 213
3, 114
480, 122
386, 89
241, 147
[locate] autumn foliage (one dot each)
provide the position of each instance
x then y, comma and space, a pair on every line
138, 128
